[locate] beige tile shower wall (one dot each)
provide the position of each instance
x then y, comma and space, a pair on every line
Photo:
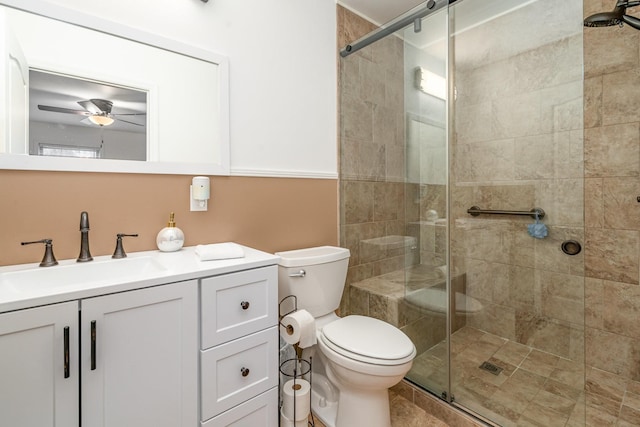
612, 212
270, 214
372, 156
517, 145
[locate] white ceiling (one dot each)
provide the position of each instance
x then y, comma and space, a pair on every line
380, 11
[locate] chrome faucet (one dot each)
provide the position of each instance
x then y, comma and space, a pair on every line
85, 253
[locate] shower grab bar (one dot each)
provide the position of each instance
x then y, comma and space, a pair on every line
533, 213
399, 23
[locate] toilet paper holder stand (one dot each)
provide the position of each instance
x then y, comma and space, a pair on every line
282, 316
297, 367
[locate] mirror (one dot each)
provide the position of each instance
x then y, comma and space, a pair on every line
166, 102
73, 117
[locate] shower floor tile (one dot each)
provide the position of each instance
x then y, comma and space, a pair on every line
533, 388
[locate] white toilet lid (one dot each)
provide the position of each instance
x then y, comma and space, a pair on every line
368, 337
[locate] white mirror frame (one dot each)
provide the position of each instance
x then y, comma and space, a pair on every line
29, 162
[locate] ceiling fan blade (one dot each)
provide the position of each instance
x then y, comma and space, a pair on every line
131, 123
63, 110
128, 114
90, 107
103, 104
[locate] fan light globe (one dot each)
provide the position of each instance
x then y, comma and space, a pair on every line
101, 120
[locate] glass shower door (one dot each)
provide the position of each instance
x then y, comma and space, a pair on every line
517, 345
425, 305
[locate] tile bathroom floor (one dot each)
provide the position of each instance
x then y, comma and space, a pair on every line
405, 414
532, 389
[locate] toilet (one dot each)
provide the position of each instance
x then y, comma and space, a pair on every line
356, 358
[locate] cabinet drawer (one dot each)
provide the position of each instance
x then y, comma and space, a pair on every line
238, 304
260, 411
237, 371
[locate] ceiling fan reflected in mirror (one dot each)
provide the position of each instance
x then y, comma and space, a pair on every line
97, 112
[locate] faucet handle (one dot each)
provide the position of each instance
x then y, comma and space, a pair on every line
48, 259
119, 252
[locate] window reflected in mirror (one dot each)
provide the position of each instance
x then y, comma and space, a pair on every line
76, 117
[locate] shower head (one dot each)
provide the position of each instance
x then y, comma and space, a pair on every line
615, 17
604, 19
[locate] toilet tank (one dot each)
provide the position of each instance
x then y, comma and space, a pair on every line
316, 276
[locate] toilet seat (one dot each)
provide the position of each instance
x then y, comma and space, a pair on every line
368, 340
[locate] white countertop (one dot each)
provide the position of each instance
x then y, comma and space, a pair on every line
174, 267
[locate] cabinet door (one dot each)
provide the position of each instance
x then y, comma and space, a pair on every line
140, 358
39, 367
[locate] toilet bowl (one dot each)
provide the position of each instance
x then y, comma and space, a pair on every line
366, 357
359, 357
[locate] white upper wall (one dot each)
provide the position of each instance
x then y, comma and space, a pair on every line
283, 73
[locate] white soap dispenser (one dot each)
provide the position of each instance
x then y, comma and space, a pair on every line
170, 238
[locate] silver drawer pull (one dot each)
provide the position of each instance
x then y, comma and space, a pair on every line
244, 371
245, 305
300, 273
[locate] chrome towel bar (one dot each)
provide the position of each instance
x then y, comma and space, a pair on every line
475, 211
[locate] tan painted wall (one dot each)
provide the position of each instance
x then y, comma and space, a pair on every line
269, 214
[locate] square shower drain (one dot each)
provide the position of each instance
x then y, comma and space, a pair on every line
490, 367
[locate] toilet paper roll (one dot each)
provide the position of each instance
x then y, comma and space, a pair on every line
299, 327
296, 392
286, 422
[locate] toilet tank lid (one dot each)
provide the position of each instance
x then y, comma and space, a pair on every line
312, 256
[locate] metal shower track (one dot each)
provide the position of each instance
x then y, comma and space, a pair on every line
413, 16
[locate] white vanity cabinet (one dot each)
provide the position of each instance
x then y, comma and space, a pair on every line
139, 357
137, 365
155, 340
239, 349
39, 366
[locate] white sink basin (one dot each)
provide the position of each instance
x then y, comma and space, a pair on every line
87, 274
